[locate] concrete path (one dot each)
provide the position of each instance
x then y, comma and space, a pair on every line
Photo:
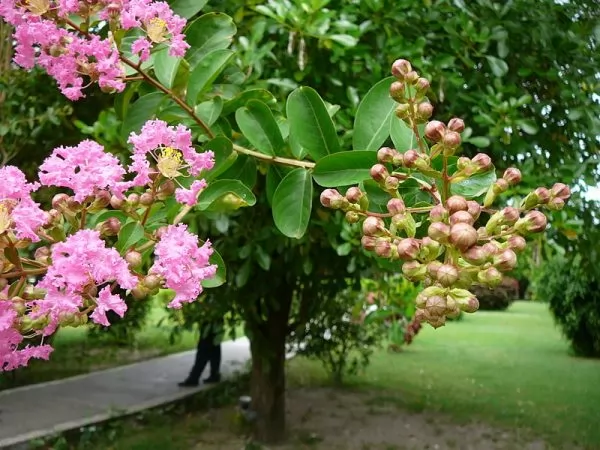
39, 410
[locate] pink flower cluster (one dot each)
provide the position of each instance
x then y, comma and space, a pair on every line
80, 264
25, 216
182, 264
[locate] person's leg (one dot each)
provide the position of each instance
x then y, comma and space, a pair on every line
202, 356
215, 364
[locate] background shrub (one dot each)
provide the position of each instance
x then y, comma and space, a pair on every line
499, 298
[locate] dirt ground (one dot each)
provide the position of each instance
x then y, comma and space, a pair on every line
327, 419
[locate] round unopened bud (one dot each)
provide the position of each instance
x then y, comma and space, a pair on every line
352, 217
383, 248
433, 267
439, 231
373, 226
510, 215
451, 139
146, 199
517, 243
139, 292
368, 243
462, 163
60, 201
409, 158
461, 217
116, 202
391, 183
555, 204
414, 270
41, 253
474, 209
134, 259
465, 300
400, 68
110, 227
438, 213
447, 274
463, 236
422, 84
379, 173
386, 154
456, 203
396, 206
436, 305
482, 161
430, 247
533, 222
491, 248
424, 111
408, 248
166, 189
53, 217
411, 77
500, 186
512, 175
152, 282
541, 195
102, 199
561, 191
476, 255
133, 199
331, 198
456, 124
490, 277
435, 130
159, 233
505, 260
403, 111
397, 90
354, 194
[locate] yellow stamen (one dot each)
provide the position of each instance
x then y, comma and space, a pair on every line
37, 7
156, 29
169, 161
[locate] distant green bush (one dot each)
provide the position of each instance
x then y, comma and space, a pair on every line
499, 298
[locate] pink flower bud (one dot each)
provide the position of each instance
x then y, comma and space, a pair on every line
533, 222
401, 67
439, 231
379, 173
430, 247
500, 186
422, 84
411, 77
331, 198
512, 176
433, 267
152, 282
555, 204
517, 243
397, 90
561, 191
368, 243
510, 215
352, 217
491, 248
461, 217
451, 139
447, 275
456, 124
414, 270
436, 305
542, 194
146, 199
383, 248
373, 226
465, 300
59, 201
386, 154
354, 194
133, 199
139, 292
456, 203
482, 161
116, 203
396, 206
166, 189
410, 157
476, 256
490, 277
424, 110
101, 201
474, 209
505, 260
438, 213
435, 130
403, 111
134, 259
462, 163
408, 248
391, 183
463, 236
110, 227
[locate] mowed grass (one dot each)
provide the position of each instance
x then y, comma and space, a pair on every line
511, 369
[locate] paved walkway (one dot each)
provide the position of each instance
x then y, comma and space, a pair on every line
39, 410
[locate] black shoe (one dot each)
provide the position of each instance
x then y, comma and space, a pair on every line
212, 379
188, 383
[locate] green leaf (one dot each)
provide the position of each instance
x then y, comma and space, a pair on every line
143, 109
210, 110
129, 235
498, 66
528, 126
479, 141
12, 254
187, 8
262, 258
165, 67
205, 72
402, 136
275, 174
344, 39
207, 33
474, 186
241, 277
344, 168
243, 169
310, 123
241, 99
292, 203
258, 125
221, 275
223, 195
373, 116
224, 156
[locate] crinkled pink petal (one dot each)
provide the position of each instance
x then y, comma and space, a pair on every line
107, 302
28, 217
189, 196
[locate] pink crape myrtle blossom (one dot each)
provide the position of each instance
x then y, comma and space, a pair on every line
182, 264
158, 140
107, 302
14, 184
28, 218
189, 196
83, 169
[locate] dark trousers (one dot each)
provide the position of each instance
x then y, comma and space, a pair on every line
209, 351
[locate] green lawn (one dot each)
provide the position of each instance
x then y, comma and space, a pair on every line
511, 369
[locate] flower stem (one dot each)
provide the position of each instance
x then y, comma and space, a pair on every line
23, 273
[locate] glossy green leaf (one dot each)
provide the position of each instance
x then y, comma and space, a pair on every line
262, 258
258, 125
188, 8
205, 73
479, 141
243, 169
402, 136
253, 94
474, 186
221, 275
143, 109
165, 67
498, 66
310, 123
224, 156
292, 203
129, 235
210, 110
344, 39
275, 174
344, 168
212, 31
223, 195
373, 116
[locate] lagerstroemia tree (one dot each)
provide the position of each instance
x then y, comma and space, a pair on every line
197, 144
